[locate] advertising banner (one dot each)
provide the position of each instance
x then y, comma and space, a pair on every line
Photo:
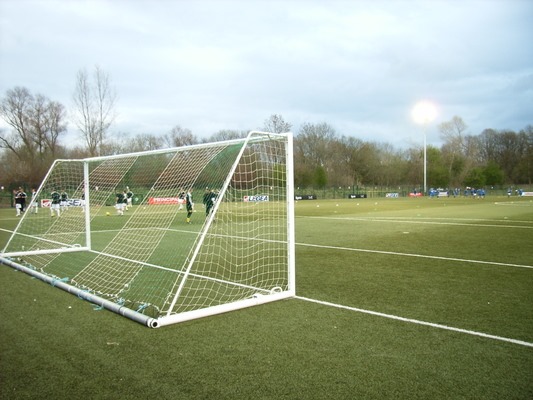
165, 200
256, 198
70, 203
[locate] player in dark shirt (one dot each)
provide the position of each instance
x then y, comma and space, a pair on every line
119, 206
20, 201
55, 208
210, 200
189, 205
64, 200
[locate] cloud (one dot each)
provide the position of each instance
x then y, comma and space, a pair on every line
360, 66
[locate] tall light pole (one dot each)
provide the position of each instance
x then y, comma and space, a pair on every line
423, 113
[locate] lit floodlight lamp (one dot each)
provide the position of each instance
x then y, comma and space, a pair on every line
424, 112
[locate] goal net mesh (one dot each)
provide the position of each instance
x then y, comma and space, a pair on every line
152, 255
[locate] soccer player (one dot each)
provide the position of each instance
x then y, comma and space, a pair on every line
34, 205
64, 200
56, 200
181, 197
125, 201
210, 202
189, 205
20, 201
129, 197
119, 206
207, 193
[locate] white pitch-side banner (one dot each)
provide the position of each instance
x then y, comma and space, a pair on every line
255, 198
71, 202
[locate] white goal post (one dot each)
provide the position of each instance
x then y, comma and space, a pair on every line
168, 235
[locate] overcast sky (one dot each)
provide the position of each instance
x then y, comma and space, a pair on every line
359, 66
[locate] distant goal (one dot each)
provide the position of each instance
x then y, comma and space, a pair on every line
154, 260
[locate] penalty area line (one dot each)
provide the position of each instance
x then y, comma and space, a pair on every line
418, 322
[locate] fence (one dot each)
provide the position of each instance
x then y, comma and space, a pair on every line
379, 192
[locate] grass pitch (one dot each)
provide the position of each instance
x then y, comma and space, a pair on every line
391, 276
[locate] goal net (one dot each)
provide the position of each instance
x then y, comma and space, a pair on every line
169, 235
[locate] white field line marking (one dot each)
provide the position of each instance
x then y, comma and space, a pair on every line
512, 203
380, 252
446, 219
415, 255
371, 251
423, 222
418, 322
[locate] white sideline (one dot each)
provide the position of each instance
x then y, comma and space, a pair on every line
432, 222
394, 253
418, 322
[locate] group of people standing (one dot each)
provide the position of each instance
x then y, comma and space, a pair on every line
209, 199
124, 200
59, 202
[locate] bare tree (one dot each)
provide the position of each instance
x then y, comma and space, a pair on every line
144, 142
227, 134
15, 110
37, 124
453, 132
455, 148
313, 141
95, 108
55, 125
276, 124
47, 121
179, 136
312, 149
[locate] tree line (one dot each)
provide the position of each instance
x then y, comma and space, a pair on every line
322, 157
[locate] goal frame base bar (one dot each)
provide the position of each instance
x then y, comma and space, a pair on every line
144, 319
71, 249
84, 295
223, 308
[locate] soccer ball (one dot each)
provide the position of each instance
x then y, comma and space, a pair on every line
108, 213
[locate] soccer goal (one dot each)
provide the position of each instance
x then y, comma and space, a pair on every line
168, 235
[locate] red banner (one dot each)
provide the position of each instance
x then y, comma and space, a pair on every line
46, 203
165, 200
